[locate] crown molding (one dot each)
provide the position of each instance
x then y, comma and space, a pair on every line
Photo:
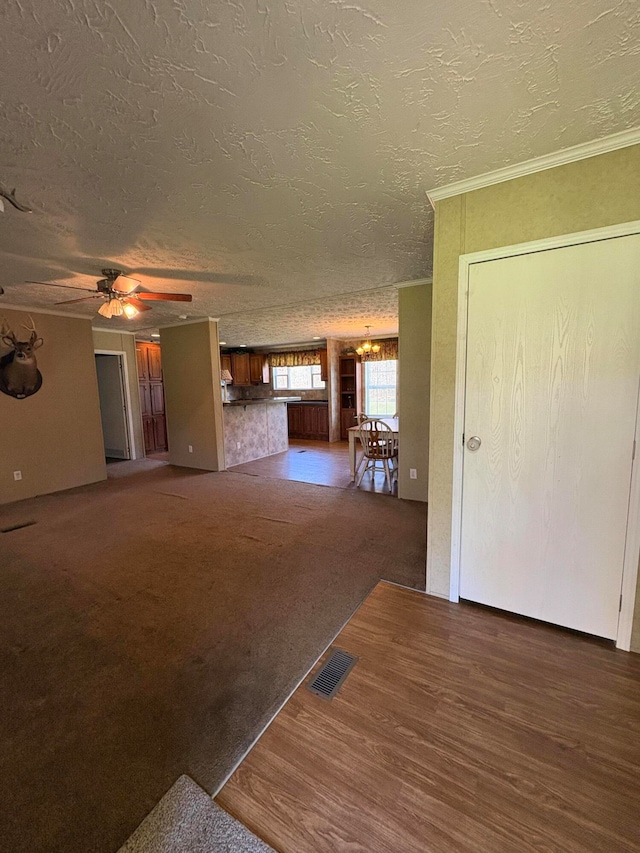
624, 139
187, 323
416, 282
31, 309
113, 331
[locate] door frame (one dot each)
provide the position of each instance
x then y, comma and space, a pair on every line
124, 374
632, 544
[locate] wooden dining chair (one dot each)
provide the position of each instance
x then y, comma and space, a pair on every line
378, 446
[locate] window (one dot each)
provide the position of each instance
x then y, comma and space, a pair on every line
302, 378
380, 379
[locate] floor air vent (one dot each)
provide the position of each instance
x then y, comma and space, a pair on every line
329, 679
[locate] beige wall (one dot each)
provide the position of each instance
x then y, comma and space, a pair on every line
55, 436
193, 395
414, 380
125, 342
593, 193
334, 348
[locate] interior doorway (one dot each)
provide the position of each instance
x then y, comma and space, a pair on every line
114, 408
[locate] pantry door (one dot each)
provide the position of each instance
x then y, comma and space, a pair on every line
551, 399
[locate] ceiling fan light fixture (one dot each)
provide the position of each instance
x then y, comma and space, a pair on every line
117, 308
105, 310
129, 310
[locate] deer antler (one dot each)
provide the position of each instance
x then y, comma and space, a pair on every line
5, 330
31, 327
11, 198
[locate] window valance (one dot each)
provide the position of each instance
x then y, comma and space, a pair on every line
295, 358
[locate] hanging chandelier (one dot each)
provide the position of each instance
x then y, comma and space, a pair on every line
366, 347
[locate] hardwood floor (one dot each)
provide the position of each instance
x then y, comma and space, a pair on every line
315, 462
459, 729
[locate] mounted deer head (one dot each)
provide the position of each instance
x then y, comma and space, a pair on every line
19, 374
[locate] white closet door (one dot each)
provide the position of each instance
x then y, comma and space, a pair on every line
553, 366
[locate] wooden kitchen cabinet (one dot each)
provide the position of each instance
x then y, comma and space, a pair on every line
142, 361
348, 418
225, 363
160, 433
294, 418
240, 368
258, 368
324, 366
154, 426
323, 421
308, 420
155, 362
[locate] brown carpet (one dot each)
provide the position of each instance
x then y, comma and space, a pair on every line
151, 626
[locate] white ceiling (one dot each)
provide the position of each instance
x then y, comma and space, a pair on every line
260, 154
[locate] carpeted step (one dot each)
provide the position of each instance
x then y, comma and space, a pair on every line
186, 820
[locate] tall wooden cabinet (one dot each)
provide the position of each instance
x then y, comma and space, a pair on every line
350, 392
154, 425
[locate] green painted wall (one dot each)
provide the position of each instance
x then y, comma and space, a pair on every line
54, 437
414, 380
593, 193
193, 395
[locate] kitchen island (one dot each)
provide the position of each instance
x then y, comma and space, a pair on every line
255, 428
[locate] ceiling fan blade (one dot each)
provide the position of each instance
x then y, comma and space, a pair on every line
125, 284
133, 300
165, 297
54, 284
82, 299
201, 276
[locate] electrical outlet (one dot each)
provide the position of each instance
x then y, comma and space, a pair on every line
237, 445
413, 473
191, 448
17, 475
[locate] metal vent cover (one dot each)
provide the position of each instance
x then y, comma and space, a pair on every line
331, 676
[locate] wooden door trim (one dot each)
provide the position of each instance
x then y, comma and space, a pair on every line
133, 449
632, 549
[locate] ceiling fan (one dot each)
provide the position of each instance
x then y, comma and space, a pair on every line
119, 294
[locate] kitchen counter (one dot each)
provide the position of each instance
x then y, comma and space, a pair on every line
255, 428
259, 401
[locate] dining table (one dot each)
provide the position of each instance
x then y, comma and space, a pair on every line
353, 434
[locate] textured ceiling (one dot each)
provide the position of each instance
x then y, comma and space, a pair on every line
329, 317
262, 153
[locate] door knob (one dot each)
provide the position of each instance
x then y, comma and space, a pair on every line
473, 443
